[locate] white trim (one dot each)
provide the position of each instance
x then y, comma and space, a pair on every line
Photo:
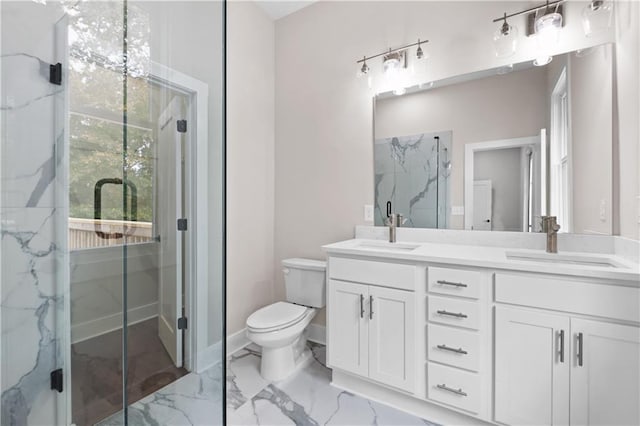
99, 326
196, 243
469, 150
209, 357
237, 341
317, 333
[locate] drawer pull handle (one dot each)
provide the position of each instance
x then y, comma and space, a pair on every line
370, 307
445, 282
452, 390
447, 348
580, 351
561, 351
452, 314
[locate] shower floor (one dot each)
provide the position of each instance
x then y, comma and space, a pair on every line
96, 368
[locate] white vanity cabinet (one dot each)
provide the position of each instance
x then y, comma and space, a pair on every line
532, 365
559, 368
372, 326
457, 343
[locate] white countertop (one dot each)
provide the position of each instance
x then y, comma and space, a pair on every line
491, 257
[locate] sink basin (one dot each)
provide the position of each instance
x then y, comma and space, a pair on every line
383, 245
567, 259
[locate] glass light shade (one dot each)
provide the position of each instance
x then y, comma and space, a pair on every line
547, 29
390, 65
505, 41
596, 17
542, 60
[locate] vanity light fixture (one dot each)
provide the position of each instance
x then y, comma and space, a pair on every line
545, 27
596, 17
364, 69
419, 51
505, 39
394, 63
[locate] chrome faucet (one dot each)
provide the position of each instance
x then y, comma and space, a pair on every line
551, 227
395, 220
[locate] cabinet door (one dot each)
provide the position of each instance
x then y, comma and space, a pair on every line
391, 337
531, 367
348, 331
605, 378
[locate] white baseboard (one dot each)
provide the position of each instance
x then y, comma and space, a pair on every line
89, 329
317, 333
209, 357
237, 341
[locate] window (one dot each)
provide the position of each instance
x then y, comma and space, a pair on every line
110, 161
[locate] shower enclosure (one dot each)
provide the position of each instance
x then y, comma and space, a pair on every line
413, 174
112, 212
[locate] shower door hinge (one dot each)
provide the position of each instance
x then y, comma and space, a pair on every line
182, 323
56, 380
55, 74
182, 224
182, 126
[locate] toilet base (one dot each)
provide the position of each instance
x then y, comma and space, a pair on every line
279, 363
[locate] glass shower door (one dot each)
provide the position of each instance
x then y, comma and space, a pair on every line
111, 280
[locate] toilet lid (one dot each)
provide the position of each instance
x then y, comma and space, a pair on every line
276, 315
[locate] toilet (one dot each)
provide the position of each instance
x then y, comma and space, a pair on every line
280, 328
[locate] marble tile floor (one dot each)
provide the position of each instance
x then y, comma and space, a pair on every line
306, 398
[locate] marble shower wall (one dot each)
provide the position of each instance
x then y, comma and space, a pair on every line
32, 237
413, 174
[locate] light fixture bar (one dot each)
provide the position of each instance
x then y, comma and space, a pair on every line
533, 9
386, 52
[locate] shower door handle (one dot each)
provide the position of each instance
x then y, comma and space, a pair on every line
97, 206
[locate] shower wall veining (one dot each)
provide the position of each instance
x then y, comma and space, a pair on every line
31, 211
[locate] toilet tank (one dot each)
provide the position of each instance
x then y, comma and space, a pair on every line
305, 281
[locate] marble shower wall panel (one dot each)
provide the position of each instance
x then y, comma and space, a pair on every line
31, 303
407, 174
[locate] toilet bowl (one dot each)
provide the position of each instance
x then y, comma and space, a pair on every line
280, 328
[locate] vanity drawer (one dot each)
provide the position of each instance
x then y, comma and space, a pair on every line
455, 282
454, 387
445, 310
459, 348
603, 300
396, 275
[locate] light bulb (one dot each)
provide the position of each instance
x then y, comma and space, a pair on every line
547, 29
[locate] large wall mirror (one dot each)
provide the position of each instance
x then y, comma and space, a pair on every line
497, 149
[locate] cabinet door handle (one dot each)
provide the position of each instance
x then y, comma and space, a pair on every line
452, 390
451, 283
361, 306
370, 307
580, 353
447, 348
561, 349
452, 314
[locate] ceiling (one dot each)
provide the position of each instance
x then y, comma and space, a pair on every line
279, 9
